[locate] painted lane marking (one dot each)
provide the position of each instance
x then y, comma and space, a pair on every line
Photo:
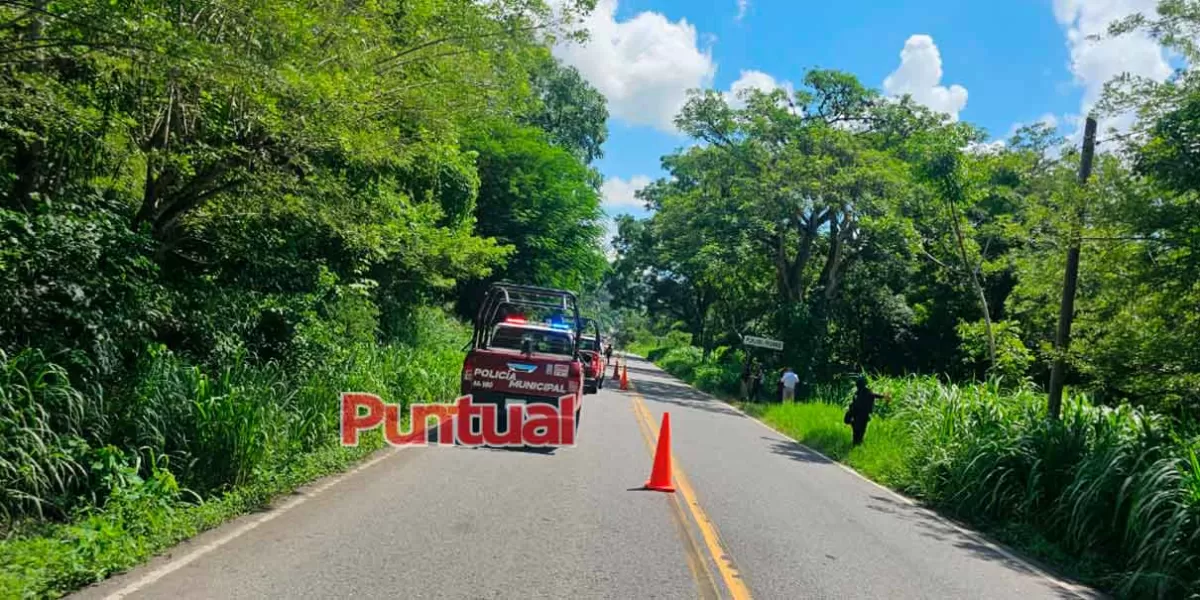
708, 530
183, 561
1074, 589
706, 586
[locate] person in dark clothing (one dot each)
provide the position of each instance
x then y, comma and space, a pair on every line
607, 355
861, 408
756, 378
747, 372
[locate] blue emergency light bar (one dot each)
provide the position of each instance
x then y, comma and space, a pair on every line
559, 323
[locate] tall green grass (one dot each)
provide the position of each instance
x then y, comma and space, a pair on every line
137, 467
44, 424
1113, 485
1111, 490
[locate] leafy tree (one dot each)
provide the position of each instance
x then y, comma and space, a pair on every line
626, 277
540, 201
275, 158
571, 112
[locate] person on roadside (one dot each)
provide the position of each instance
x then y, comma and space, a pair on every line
861, 408
789, 381
756, 380
747, 373
608, 355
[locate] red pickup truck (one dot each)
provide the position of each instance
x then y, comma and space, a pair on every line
525, 349
591, 351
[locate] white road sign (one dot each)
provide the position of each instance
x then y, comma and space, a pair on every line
762, 342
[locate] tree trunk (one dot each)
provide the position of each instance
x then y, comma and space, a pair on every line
1066, 312
974, 279
703, 302
28, 158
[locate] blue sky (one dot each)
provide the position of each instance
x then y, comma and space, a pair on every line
1001, 63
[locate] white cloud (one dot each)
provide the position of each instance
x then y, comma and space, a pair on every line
1094, 63
621, 195
991, 147
998, 144
920, 76
1048, 119
644, 66
743, 6
754, 80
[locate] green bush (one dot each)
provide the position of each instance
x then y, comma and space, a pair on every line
77, 283
1104, 481
681, 361
653, 348
722, 379
1013, 359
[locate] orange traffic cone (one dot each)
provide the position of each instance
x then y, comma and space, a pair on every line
660, 475
625, 378
617, 370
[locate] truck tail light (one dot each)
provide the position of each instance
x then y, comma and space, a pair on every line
468, 369
576, 376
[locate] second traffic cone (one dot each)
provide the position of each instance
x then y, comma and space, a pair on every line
617, 370
625, 378
660, 474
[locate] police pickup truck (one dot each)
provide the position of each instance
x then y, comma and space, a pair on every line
525, 349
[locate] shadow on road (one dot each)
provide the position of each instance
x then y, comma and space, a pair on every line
795, 451
658, 386
645, 371
683, 395
939, 528
526, 450
431, 438
928, 523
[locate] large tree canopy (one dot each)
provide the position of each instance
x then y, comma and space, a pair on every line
267, 158
870, 233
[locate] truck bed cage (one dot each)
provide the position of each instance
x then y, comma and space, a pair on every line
587, 323
504, 294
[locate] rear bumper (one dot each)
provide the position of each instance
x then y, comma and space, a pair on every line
501, 401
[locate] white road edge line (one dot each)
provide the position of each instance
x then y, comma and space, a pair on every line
178, 563
1077, 590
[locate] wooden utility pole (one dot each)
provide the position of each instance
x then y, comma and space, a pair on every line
1066, 312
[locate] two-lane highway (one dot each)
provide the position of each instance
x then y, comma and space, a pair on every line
754, 515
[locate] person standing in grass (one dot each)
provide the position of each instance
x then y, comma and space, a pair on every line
861, 408
747, 373
789, 381
756, 381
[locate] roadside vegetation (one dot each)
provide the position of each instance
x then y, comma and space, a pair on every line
217, 216
872, 236
1110, 495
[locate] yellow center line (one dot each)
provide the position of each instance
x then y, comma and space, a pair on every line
706, 586
708, 530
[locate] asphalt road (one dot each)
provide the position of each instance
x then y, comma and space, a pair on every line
754, 515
